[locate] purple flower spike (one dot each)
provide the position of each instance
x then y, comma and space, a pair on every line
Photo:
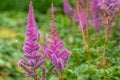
109, 6
95, 11
31, 47
83, 19
67, 8
57, 54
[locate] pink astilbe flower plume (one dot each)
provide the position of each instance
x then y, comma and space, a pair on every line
95, 12
83, 19
31, 48
57, 54
100, 7
109, 6
83, 3
80, 17
68, 9
72, 13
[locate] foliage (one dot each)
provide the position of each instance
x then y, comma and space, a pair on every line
22, 5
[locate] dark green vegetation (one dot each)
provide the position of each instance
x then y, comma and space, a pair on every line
22, 5
12, 37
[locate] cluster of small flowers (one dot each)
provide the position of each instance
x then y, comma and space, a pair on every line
58, 56
31, 47
72, 13
97, 8
34, 60
96, 13
109, 6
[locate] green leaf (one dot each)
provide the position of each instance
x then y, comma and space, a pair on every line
81, 69
53, 78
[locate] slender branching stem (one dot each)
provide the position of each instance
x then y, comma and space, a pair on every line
108, 27
87, 34
61, 75
85, 37
36, 79
26, 77
104, 52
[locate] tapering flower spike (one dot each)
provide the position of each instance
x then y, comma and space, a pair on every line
58, 55
80, 16
67, 8
109, 6
71, 13
83, 3
83, 19
31, 47
95, 12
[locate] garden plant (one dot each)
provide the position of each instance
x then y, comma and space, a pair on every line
78, 41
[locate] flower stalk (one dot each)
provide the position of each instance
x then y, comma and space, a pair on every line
85, 37
108, 8
56, 52
31, 47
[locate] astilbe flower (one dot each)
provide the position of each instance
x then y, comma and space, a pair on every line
68, 9
57, 54
74, 15
83, 19
31, 48
96, 14
83, 3
109, 6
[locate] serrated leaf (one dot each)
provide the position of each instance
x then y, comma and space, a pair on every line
81, 69
53, 78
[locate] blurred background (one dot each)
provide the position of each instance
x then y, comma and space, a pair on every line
13, 21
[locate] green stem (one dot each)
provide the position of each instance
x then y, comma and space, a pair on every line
36, 79
61, 76
85, 36
108, 27
26, 77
